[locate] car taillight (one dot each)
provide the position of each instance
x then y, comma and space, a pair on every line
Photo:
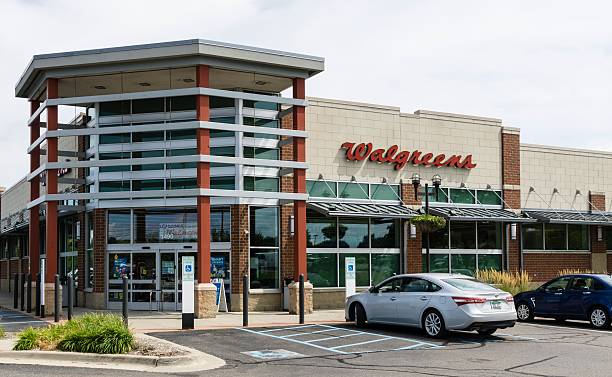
509, 299
468, 300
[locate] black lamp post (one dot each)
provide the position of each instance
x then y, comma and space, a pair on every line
416, 182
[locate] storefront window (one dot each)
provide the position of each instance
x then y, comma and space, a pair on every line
261, 184
320, 230
607, 231
148, 185
153, 226
463, 235
353, 233
384, 192
223, 183
321, 189
362, 265
351, 190
442, 196
220, 225
463, 264
262, 153
119, 227
462, 196
489, 235
489, 197
490, 262
383, 233
384, 266
439, 262
323, 269
533, 237
578, 237
555, 237
264, 268
437, 239
264, 226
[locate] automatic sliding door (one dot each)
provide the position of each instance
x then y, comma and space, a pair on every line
168, 285
144, 281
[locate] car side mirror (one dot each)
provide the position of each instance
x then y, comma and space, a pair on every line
373, 289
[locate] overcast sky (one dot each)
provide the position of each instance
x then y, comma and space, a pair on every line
543, 66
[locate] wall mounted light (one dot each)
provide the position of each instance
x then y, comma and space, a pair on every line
513, 231
599, 233
413, 231
416, 181
292, 224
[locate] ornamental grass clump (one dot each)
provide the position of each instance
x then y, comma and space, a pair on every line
574, 271
428, 223
2, 333
511, 282
92, 333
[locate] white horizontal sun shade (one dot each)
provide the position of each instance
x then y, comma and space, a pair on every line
570, 217
478, 214
362, 210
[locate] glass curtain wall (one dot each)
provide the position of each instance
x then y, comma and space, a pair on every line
264, 254
555, 237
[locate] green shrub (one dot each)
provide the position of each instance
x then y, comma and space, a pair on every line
428, 223
511, 282
2, 333
95, 333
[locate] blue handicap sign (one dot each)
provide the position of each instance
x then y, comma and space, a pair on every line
350, 267
188, 268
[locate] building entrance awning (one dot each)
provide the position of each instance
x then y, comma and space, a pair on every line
570, 217
362, 210
478, 214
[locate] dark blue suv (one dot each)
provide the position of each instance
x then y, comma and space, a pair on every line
580, 296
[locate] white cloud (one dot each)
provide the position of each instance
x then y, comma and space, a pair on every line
545, 67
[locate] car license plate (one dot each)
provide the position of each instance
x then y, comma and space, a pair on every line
496, 305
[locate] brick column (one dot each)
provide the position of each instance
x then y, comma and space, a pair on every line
299, 206
511, 181
599, 256
286, 210
205, 291
34, 225
240, 252
413, 256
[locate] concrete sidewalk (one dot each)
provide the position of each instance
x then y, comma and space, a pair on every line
145, 321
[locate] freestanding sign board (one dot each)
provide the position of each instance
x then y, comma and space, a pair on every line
188, 269
349, 274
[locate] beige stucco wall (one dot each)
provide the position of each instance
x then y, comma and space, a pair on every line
545, 168
331, 123
15, 198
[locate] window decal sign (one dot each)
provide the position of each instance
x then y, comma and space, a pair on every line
392, 155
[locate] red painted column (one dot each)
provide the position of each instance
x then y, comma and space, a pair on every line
34, 226
299, 181
203, 180
51, 212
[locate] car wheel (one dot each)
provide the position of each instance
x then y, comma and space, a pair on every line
433, 324
524, 312
486, 332
360, 315
599, 318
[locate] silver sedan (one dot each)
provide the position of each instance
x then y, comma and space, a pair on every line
435, 303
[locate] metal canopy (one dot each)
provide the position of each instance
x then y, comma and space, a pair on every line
570, 217
478, 214
362, 210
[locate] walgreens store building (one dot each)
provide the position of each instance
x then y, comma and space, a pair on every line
141, 155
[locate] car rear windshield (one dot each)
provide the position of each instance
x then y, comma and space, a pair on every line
469, 284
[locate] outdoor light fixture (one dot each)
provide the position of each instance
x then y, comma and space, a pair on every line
320, 177
292, 224
353, 179
599, 233
513, 231
413, 231
188, 80
260, 82
416, 181
489, 187
436, 180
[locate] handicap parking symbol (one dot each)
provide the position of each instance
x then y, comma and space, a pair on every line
188, 268
350, 268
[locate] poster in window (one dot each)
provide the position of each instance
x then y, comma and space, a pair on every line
119, 266
177, 231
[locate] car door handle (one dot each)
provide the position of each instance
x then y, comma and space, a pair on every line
393, 298
586, 293
423, 298
558, 293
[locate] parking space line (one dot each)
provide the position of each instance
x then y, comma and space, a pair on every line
409, 347
335, 337
389, 336
18, 323
360, 343
517, 336
293, 340
306, 333
287, 328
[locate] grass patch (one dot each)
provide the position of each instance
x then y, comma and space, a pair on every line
573, 271
92, 333
2, 333
511, 282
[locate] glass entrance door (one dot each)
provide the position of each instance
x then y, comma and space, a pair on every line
144, 291
168, 282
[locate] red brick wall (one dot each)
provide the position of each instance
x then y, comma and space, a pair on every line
511, 158
287, 255
414, 253
598, 201
407, 194
545, 266
240, 245
99, 248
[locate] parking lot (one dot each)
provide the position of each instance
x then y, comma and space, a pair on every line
543, 348
13, 321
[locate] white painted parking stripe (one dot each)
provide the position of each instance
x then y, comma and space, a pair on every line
292, 340
360, 343
306, 333
409, 347
567, 328
389, 336
517, 336
335, 337
18, 323
287, 328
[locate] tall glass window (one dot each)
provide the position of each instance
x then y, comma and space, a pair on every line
462, 196
321, 189
322, 269
353, 233
489, 235
577, 237
555, 237
463, 235
161, 226
321, 231
119, 225
384, 192
533, 236
351, 190
220, 224
383, 233
264, 252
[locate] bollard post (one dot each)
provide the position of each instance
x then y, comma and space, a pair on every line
69, 285
22, 290
56, 304
29, 289
37, 310
15, 291
301, 299
125, 300
245, 300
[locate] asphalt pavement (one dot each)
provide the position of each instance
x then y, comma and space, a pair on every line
543, 348
14, 321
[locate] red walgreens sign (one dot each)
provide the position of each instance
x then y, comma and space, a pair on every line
362, 151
